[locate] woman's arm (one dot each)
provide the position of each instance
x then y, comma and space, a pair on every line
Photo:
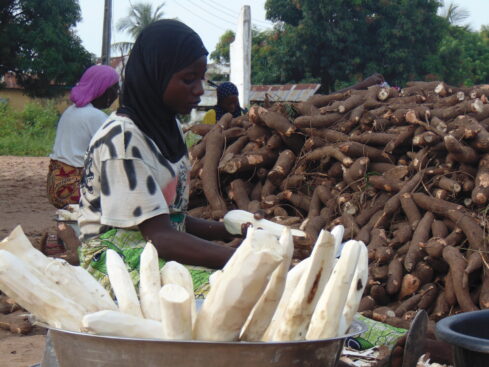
183, 247
209, 229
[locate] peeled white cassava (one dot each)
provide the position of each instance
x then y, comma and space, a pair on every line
263, 311
355, 293
176, 314
175, 273
115, 323
73, 282
293, 277
149, 282
19, 281
235, 218
238, 288
123, 287
297, 315
325, 321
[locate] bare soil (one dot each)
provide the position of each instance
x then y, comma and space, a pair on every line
23, 202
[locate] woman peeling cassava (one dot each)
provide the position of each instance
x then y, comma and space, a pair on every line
135, 185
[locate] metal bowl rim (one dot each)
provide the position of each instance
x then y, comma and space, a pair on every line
356, 324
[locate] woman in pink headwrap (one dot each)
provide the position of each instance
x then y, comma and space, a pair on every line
97, 89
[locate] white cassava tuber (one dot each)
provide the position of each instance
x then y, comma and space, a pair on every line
73, 282
325, 321
235, 218
229, 303
293, 277
176, 315
115, 323
262, 313
297, 315
149, 282
121, 283
175, 273
19, 281
355, 293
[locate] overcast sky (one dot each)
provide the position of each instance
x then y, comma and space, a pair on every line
209, 18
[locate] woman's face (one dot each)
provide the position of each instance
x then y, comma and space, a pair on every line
229, 104
185, 87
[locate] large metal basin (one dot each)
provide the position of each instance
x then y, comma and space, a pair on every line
84, 350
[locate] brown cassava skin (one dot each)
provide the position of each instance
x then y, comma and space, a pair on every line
424, 272
250, 160
410, 209
329, 151
461, 153
379, 295
317, 121
457, 214
282, 167
297, 199
239, 194
456, 262
441, 307
201, 129
367, 303
484, 296
320, 100
210, 180
439, 228
306, 109
429, 294
356, 150
480, 194
421, 234
400, 139
401, 235
356, 172
434, 246
367, 212
373, 138
409, 304
385, 184
276, 121
409, 285
394, 277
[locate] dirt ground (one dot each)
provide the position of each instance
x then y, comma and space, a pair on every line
23, 202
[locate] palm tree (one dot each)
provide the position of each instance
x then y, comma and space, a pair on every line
140, 15
453, 13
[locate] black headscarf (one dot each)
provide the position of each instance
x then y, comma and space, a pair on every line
162, 49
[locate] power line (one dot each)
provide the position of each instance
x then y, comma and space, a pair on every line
191, 12
233, 13
213, 15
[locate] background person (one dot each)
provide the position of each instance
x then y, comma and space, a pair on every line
97, 89
227, 101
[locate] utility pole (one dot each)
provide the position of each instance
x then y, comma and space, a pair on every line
106, 36
240, 52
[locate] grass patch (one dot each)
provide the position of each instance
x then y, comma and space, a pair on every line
29, 132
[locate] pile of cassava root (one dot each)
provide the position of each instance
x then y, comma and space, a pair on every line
405, 171
255, 297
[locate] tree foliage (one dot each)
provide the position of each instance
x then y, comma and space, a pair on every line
39, 44
463, 57
342, 40
220, 54
140, 15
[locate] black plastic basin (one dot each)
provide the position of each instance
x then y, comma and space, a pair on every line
469, 334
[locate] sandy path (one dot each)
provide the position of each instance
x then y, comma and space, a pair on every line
23, 201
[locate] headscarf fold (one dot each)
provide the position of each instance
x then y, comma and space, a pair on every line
224, 90
93, 83
162, 49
